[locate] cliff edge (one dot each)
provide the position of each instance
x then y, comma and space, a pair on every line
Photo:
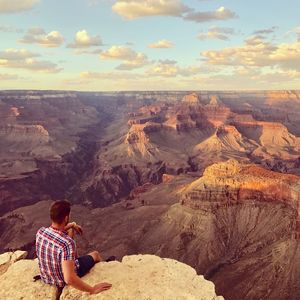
136, 277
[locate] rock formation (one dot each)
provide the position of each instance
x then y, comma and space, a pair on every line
8, 258
230, 183
136, 277
152, 169
17, 282
192, 99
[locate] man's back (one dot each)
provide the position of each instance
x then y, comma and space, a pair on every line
52, 247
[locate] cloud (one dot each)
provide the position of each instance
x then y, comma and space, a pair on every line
24, 59
131, 59
297, 31
265, 31
119, 53
126, 81
16, 54
163, 70
171, 69
84, 40
221, 13
132, 9
257, 52
38, 36
220, 33
13, 6
162, 44
6, 76
287, 56
246, 78
109, 75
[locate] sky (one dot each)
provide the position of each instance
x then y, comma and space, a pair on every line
115, 45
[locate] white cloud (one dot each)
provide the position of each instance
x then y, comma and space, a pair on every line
163, 44
131, 59
246, 78
171, 69
16, 54
132, 9
163, 70
119, 53
220, 33
12, 6
221, 13
287, 56
257, 52
39, 36
24, 59
84, 40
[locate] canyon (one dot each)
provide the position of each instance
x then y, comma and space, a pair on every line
211, 179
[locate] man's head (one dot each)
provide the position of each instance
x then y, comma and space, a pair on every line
60, 211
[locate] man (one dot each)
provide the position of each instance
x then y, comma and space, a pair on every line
56, 252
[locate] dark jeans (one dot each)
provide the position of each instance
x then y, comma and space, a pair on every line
86, 262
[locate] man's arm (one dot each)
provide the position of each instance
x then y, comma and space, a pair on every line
72, 279
74, 226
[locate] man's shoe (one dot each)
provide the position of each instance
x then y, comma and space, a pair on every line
111, 258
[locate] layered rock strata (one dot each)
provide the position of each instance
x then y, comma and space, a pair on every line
231, 183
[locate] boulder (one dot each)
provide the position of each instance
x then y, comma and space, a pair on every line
8, 258
17, 283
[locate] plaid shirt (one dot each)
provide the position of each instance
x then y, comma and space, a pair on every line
52, 247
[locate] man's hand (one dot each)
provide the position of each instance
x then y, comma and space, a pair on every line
73, 225
71, 278
78, 229
101, 287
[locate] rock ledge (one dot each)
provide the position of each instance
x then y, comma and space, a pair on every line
143, 277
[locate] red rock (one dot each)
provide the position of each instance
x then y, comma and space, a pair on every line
167, 178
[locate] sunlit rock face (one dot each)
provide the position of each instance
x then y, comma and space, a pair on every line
231, 183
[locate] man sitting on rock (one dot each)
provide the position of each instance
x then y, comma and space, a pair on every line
56, 252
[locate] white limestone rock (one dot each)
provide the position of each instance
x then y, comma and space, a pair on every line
8, 258
17, 283
146, 277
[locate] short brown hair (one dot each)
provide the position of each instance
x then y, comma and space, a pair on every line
59, 210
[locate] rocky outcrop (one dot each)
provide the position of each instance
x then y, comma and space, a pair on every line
8, 258
215, 101
227, 142
16, 133
147, 277
136, 277
17, 283
138, 140
191, 99
231, 183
